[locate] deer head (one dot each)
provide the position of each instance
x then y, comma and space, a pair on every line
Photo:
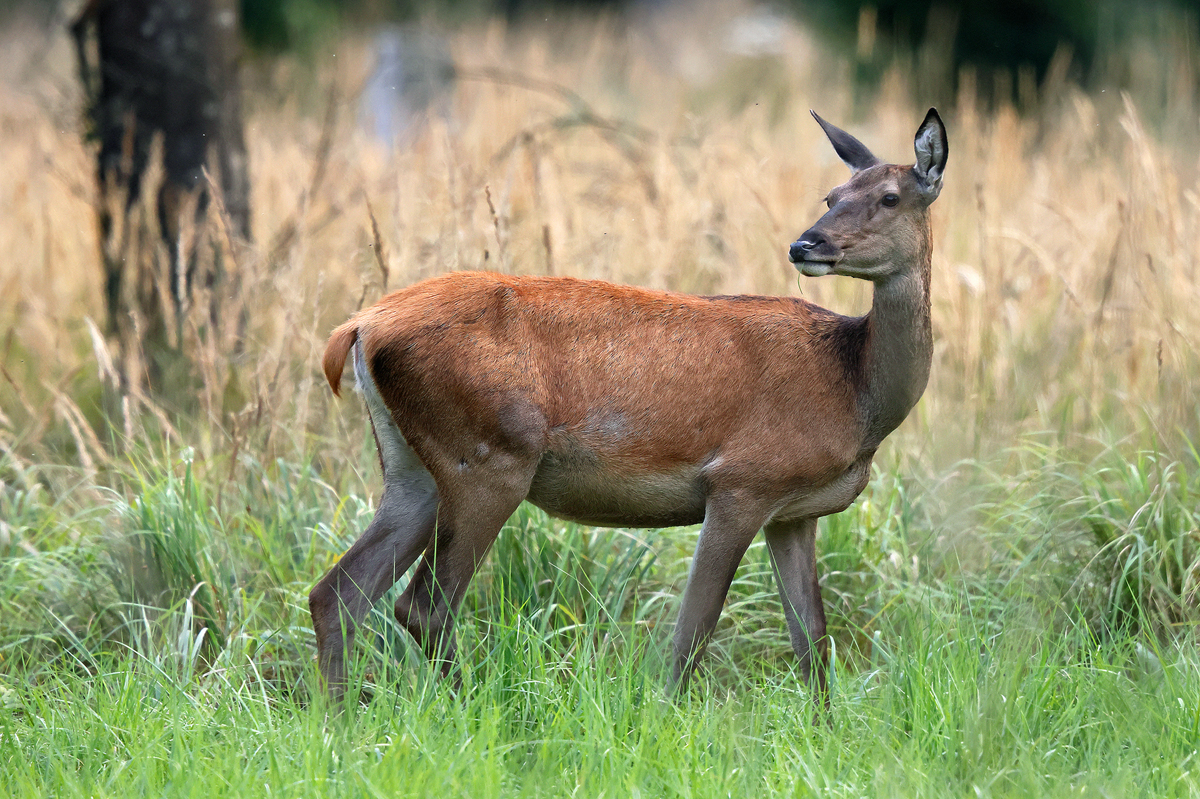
877, 224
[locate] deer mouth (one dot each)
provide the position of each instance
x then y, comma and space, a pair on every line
814, 267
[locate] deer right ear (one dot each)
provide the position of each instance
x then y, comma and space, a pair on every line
853, 152
932, 148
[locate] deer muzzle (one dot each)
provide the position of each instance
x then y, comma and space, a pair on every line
814, 254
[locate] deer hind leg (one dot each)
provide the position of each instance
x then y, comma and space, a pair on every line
469, 519
727, 532
401, 530
792, 545
414, 606
402, 526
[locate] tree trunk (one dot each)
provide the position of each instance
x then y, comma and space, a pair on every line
163, 70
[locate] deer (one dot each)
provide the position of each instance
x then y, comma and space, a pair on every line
612, 405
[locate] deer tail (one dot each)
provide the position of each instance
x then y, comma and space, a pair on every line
340, 342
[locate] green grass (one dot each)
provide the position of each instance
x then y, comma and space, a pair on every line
1025, 627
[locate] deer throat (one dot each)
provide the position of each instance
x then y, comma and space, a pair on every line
899, 351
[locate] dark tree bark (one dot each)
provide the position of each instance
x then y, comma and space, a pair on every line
162, 68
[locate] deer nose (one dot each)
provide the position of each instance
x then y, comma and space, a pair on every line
804, 245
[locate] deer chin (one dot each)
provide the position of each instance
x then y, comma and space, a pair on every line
815, 268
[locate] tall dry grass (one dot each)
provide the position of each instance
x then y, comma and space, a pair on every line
1065, 269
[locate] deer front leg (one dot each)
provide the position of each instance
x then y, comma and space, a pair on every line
727, 532
792, 545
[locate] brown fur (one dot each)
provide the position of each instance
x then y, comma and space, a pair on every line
474, 344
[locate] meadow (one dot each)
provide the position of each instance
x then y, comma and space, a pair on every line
1014, 600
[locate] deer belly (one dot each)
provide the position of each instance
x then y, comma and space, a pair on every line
831, 497
576, 485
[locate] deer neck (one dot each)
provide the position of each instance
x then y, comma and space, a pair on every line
899, 350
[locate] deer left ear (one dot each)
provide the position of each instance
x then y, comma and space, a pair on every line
853, 153
932, 148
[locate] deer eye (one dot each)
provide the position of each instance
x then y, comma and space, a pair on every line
891, 200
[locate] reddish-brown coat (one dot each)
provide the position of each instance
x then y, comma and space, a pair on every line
648, 381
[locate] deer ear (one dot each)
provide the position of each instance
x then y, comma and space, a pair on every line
849, 149
932, 148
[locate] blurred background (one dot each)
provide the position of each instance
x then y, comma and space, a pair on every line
194, 193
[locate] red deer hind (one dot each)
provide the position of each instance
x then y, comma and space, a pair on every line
620, 406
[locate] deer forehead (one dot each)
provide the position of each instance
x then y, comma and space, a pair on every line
875, 181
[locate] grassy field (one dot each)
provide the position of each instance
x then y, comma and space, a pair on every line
1014, 600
